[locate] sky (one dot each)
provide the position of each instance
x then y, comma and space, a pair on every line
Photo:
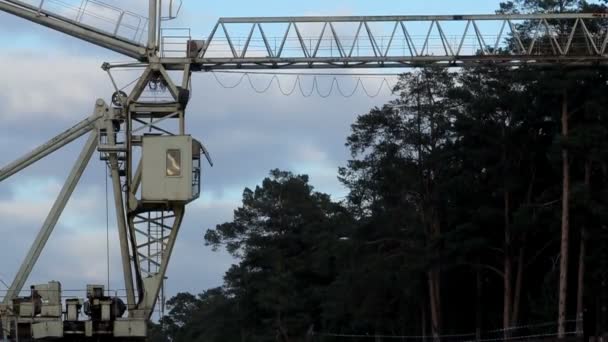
50, 82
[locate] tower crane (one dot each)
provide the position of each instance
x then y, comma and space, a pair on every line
156, 171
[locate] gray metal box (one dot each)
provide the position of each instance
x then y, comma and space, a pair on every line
88, 328
130, 328
47, 330
72, 311
167, 168
50, 292
51, 311
26, 310
106, 307
95, 291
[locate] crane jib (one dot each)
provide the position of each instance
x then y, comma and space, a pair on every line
340, 41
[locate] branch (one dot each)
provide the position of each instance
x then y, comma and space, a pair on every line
492, 268
489, 267
498, 250
539, 253
548, 204
383, 241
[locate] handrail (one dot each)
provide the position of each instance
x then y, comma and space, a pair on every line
60, 22
413, 41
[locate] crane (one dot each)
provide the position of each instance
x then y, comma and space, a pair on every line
156, 171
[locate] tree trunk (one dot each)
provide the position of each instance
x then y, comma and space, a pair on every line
434, 275
580, 306
423, 321
518, 284
282, 335
479, 304
435, 314
521, 258
508, 267
563, 268
580, 295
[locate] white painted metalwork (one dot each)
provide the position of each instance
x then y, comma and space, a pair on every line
112, 28
174, 42
171, 9
404, 41
51, 146
64, 195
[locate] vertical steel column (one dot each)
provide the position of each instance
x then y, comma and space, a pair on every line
159, 16
152, 24
185, 85
120, 218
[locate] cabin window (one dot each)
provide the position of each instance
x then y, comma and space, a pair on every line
174, 163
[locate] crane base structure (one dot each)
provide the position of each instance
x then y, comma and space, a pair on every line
156, 167
150, 206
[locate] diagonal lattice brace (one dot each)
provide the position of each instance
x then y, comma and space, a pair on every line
406, 41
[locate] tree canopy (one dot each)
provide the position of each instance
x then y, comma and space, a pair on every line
467, 194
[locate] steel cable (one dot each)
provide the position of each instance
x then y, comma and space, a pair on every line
334, 87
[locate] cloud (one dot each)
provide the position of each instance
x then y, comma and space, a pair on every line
53, 89
76, 253
311, 154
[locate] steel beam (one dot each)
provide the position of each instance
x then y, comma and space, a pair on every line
52, 218
73, 28
524, 39
152, 24
153, 281
120, 215
377, 18
211, 64
51, 146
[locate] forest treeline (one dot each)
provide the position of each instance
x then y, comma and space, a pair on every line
477, 204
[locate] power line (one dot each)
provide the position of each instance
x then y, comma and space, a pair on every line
536, 336
388, 336
530, 326
375, 75
130, 83
334, 88
510, 330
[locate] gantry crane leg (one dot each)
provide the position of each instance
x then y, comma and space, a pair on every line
151, 227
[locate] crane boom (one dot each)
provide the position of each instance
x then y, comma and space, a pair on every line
407, 41
316, 42
51, 146
110, 39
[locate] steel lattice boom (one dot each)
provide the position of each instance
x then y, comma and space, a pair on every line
90, 20
404, 41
